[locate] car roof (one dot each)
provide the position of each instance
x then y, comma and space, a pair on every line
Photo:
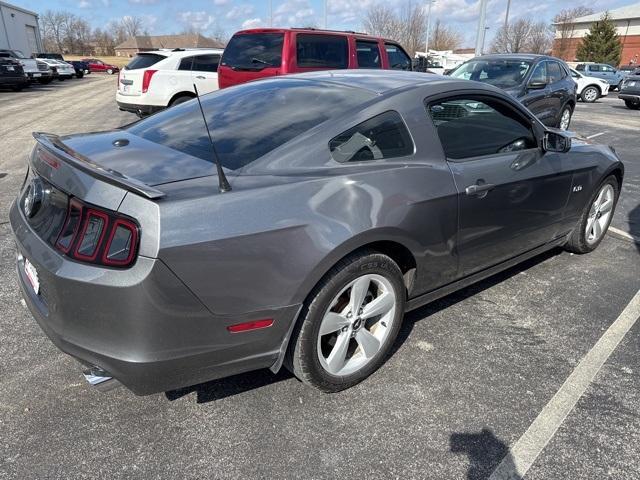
312, 30
515, 56
182, 52
382, 81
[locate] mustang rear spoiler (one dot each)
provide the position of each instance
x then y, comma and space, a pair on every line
53, 144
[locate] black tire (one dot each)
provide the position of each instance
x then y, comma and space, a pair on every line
61, 79
632, 105
110, 71
302, 355
17, 88
577, 242
79, 74
180, 99
45, 81
586, 93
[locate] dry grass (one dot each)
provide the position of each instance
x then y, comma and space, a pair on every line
117, 61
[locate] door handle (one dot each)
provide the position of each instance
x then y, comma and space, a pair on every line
479, 189
200, 77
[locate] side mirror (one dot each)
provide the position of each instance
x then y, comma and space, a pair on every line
556, 142
537, 85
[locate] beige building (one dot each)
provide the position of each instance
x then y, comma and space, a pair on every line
627, 21
148, 43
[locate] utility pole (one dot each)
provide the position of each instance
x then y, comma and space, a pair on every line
326, 11
481, 27
426, 44
506, 16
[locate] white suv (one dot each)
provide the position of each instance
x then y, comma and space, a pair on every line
156, 80
590, 89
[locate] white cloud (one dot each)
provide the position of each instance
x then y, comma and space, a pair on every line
294, 13
198, 20
239, 12
84, 4
251, 23
219, 3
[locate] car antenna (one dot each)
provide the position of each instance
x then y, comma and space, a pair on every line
223, 184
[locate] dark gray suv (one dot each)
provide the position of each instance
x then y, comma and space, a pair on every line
542, 83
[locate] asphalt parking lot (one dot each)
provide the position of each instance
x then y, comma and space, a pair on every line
469, 376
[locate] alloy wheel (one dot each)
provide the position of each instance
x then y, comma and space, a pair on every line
565, 119
599, 214
590, 94
356, 325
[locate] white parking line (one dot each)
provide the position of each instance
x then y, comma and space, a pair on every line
616, 232
595, 135
530, 445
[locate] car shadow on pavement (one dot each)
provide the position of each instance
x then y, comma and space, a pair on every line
436, 306
230, 386
485, 452
634, 224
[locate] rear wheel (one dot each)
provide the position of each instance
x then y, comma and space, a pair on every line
45, 81
632, 105
80, 74
180, 99
17, 88
565, 118
595, 219
590, 94
349, 325
110, 71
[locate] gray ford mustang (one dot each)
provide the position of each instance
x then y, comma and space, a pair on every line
355, 196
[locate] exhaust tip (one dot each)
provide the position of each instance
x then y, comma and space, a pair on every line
100, 379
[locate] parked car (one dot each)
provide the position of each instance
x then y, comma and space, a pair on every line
96, 65
627, 70
81, 68
355, 196
36, 71
542, 83
12, 75
265, 52
590, 89
421, 64
61, 70
603, 71
630, 91
156, 80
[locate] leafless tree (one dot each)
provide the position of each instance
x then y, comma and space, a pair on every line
53, 30
523, 36
407, 25
565, 28
104, 42
443, 37
131, 26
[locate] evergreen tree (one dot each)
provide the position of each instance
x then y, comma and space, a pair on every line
601, 44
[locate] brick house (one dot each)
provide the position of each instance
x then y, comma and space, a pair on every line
627, 21
148, 43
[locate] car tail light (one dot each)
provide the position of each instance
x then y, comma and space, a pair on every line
97, 236
146, 79
251, 325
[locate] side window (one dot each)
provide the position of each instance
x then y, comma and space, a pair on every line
206, 63
473, 127
539, 73
185, 63
322, 51
383, 136
398, 59
554, 71
580, 67
368, 54
594, 68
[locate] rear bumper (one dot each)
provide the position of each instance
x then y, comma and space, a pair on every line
141, 325
36, 75
138, 108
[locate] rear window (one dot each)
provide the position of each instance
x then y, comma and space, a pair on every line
144, 61
322, 51
250, 120
206, 63
254, 51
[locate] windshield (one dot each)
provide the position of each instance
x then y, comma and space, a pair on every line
254, 51
250, 120
500, 73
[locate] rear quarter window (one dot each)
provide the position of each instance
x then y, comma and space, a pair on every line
322, 51
142, 61
383, 136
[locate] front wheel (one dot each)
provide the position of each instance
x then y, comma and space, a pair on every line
590, 94
348, 326
565, 118
110, 71
632, 105
596, 218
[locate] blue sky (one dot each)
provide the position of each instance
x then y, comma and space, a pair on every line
172, 16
